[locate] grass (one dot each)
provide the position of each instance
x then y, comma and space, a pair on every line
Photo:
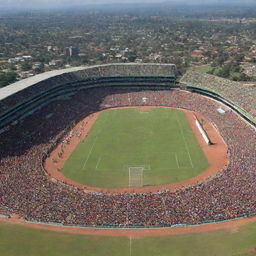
22, 241
202, 69
233, 76
160, 140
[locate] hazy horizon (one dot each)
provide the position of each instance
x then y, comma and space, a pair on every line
67, 3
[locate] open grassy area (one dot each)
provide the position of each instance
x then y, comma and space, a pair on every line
203, 68
160, 141
20, 241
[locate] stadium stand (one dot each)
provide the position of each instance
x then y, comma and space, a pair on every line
25, 95
240, 96
27, 191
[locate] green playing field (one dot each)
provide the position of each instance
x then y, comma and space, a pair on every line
159, 143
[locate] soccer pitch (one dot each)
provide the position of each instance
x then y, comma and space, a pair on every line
160, 142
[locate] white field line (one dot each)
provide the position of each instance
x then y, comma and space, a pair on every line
177, 161
98, 162
191, 162
85, 162
99, 159
103, 127
146, 167
186, 144
99, 132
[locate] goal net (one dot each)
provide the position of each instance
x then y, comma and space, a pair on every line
136, 176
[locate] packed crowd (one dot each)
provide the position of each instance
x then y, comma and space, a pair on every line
90, 72
28, 192
242, 96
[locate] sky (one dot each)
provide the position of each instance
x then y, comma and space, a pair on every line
65, 3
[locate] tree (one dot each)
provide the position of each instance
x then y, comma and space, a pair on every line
12, 67
25, 66
40, 69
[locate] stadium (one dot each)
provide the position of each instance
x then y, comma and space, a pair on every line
42, 115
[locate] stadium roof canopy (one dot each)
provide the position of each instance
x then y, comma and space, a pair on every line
25, 83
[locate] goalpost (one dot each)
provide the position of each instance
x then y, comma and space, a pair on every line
136, 176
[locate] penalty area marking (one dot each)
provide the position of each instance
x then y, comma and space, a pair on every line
190, 159
89, 154
145, 167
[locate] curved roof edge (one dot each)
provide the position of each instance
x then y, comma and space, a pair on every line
25, 83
